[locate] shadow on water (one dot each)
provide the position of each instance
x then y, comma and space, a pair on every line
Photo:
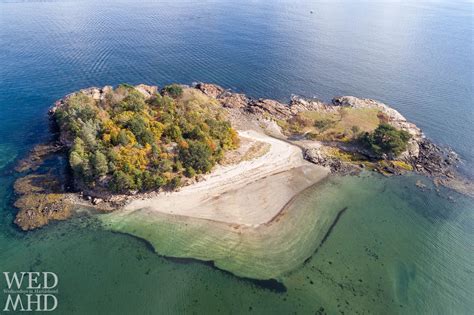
268, 284
326, 236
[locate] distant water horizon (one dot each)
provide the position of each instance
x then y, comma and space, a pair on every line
411, 249
414, 56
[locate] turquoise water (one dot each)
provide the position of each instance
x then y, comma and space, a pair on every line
396, 249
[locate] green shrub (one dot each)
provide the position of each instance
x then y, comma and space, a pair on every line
174, 183
355, 130
386, 139
173, 90
323, 124
190, 172
99, 164
198, 156
122, 182
173, 133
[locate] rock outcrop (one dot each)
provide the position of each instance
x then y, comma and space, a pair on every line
433, 159
269, 108
209, 89
41, 199
317, 156
233, 100
299, 104
147, 90
37, 156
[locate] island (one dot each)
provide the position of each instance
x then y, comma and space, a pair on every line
206, 152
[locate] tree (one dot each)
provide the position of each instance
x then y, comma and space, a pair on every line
78, 159
139, 126
198, 156
134, 101
78, 147
100, 164
386, 139
122, 182
75, 160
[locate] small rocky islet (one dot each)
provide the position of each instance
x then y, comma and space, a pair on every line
163, 147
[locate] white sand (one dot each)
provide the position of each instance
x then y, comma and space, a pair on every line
248, 193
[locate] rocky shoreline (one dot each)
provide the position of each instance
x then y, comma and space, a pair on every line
423, 155
42, 198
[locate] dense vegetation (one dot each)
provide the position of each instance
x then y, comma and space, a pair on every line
386, 139
125, 142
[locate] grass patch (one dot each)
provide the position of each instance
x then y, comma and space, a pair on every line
344, 156
283, 124
345, 124
402, 165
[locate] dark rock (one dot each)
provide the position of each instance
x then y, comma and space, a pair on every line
40, 200
211, 90
434, 160
271, 107
315, 156
233, 100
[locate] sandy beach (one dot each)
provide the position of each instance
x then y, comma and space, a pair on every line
249, 193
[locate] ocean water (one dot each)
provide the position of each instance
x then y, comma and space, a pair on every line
397, 249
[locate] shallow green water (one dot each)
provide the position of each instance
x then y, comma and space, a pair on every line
266, 252
396, 249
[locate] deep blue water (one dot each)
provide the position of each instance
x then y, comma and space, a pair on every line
415, 56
